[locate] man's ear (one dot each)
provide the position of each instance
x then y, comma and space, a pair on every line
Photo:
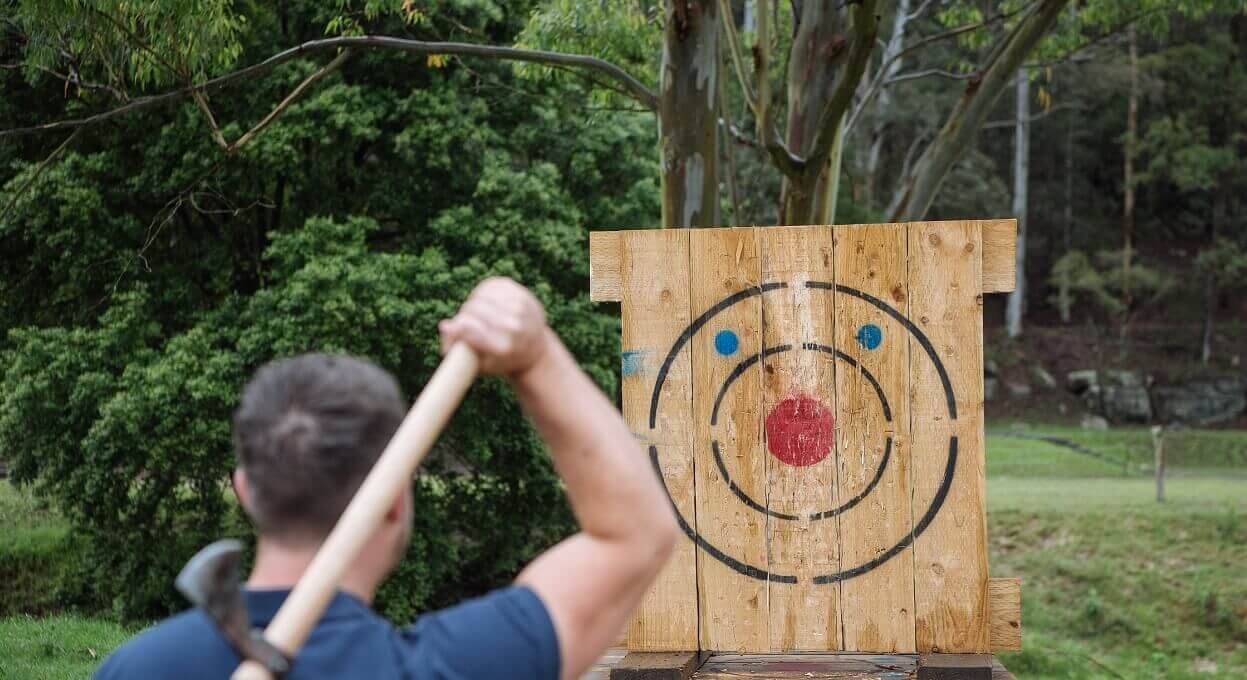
241, 488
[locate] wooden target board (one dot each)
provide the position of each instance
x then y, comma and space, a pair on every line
812, 398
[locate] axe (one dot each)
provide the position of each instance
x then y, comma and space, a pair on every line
211, 579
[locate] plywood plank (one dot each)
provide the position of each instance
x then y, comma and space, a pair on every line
606, 264
950, 555
654, 275
732, 594
999, 260
999, 255
1004, 597
872, 438
798, 387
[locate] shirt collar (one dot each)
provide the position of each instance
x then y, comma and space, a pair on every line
262, 605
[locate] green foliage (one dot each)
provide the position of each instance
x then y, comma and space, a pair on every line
34, 555
1195, 146
1101, 281
144, 277
146, 43
628, 34
1226, 260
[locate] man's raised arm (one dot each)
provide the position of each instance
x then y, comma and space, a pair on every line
591, 582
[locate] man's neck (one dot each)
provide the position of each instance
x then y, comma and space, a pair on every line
280, 565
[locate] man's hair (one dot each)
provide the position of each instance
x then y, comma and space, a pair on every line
307, 431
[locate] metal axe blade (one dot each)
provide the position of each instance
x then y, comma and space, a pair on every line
211, 581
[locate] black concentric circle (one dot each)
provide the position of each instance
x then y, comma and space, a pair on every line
928, 515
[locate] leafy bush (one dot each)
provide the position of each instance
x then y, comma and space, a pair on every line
1100, 280
144, 276
129, 429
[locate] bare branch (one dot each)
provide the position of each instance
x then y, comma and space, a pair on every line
737, 133
996, 124
285, 103
201, 100
738, 59
71, 78
912, 151
885, 67
926, 73
918, 12
56, 153
633, 86
788, 162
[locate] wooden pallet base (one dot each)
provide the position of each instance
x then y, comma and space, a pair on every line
621, 665
657, 666
955, 667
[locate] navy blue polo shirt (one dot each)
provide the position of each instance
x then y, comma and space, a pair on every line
505, 634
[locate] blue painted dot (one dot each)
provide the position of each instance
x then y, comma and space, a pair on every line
869, 336
726, 342
633, 362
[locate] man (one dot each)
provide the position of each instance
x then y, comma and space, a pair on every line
307, 431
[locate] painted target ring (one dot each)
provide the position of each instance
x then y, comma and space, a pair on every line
812, 423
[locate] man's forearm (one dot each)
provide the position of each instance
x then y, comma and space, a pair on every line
614, 491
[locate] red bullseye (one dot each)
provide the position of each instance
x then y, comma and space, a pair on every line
800, 430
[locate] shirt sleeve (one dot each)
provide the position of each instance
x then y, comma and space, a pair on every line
505, 634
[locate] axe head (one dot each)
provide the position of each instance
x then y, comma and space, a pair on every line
211, 581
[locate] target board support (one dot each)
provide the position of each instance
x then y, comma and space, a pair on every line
812, 398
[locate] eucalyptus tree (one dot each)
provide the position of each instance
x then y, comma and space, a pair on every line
805, 63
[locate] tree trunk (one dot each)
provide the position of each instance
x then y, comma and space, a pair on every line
923, 182
883, 102
1021, 173
1127, 216
819, 94
688, 115
1219, 136
818, 47
1063, 293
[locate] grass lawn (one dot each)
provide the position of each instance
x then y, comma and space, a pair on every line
55, 647
1113, 580
1114, 586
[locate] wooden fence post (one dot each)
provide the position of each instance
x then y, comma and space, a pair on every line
1158, 447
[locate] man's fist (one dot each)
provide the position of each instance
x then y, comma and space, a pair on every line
504, 323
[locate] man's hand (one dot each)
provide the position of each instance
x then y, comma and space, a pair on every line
504, 323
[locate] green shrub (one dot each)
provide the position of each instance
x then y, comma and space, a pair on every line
127, 428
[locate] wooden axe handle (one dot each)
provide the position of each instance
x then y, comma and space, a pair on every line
393, 471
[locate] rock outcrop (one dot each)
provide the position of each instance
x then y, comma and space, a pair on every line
1130, 396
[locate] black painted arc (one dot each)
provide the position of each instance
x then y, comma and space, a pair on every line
883, 400
848, 505
909, 325
936, 503
932, 510
740, 493
738, 566
739, 371
814, 516
693, 328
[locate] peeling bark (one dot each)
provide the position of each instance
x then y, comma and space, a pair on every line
819, 94
688, 116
